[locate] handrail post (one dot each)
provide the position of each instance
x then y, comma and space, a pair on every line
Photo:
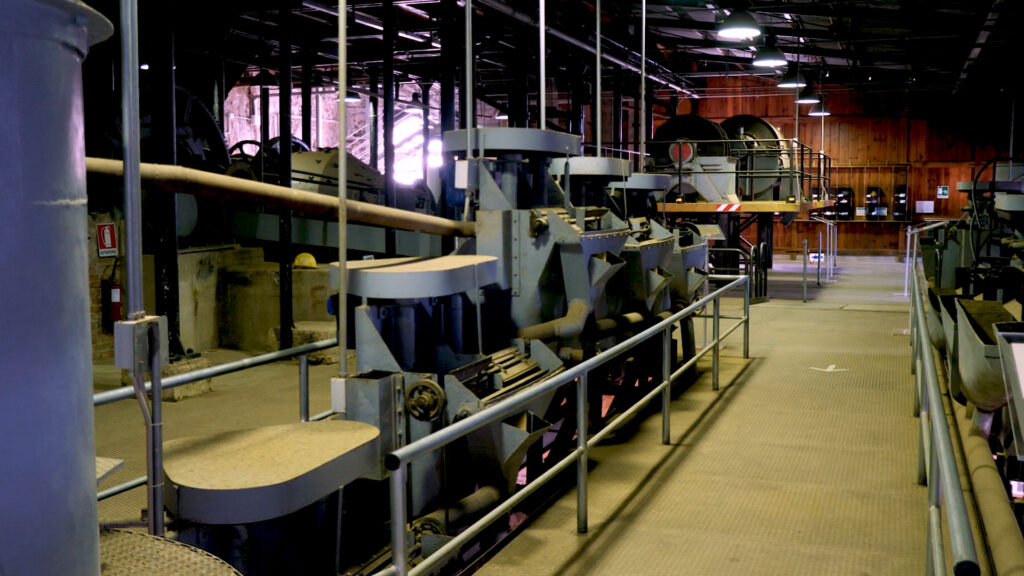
304, 388
805, 269
666, 396
714, 355
906, 272
746, 320
581, 447
156, 437
936, 557
399, 552
818, 259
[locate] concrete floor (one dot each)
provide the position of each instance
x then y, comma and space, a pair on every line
786, 470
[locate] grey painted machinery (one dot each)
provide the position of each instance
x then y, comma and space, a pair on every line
558, 271
975, 270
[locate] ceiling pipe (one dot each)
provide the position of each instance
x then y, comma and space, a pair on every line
528, 20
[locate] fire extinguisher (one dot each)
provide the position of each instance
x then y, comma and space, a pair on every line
111, 289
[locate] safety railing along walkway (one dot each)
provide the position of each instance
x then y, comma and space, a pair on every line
398, 461
937, 467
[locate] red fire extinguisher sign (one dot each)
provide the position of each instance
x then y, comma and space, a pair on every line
106, 240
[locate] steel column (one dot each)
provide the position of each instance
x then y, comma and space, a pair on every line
389, 21
374, 119
162, 147
284, 176
307, 95
48, 454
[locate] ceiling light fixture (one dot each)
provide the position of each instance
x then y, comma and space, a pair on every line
352, 97
501, 116
820, 109
792, 79
769, 56
739, 25
807, 96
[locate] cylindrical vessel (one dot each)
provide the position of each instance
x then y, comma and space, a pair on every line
47, 457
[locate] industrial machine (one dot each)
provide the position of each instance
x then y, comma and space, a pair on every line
737, 174
975, 276
566, 258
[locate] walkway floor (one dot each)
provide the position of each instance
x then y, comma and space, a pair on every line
804, 463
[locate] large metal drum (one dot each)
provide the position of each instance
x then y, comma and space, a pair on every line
47, 458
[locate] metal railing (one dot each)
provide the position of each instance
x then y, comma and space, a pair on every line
831, 248
751, 264
937, 466
302, 352
913, 244
398, 461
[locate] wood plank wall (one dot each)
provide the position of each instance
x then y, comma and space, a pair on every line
883, 138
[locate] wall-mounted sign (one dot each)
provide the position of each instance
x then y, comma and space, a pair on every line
943, 192
924, 207
106, 240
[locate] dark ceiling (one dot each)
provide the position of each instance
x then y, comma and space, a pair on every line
924, 47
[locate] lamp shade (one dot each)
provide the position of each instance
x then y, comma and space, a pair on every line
820, 109
807, 96
739, 25
792, 79
769, 56
352, 97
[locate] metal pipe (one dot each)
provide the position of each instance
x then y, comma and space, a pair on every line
155, 438
714, 357
597, 80
124, 392
1005, 544
805, 270
542, 100
123, 487
284, 177
501, 409
642, 111
581, 451
528, 20
342, 200
666, 378
304, 388
961, 539
399, 551
746, 320
818, 259
469, 106
207, 184
389, 21
130, 149
567, 326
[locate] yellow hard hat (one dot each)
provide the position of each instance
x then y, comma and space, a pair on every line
304, 260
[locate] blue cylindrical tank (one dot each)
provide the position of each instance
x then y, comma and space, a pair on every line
48, 519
